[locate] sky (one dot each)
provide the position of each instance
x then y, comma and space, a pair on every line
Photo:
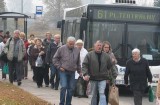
29, 6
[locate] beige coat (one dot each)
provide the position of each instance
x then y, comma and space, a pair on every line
158, 89
10, 51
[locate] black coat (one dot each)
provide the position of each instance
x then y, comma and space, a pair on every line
138, 73
51, 50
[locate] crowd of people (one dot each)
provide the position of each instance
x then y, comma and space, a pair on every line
68, 62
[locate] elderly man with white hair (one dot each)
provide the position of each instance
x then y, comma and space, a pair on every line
15, 50
137, 69
67, 60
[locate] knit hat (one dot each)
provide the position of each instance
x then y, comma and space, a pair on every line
79, 41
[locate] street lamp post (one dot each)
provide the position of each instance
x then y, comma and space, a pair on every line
21, 6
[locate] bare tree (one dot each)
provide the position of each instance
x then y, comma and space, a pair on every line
2, 9
55, 8
157, 3
2, 6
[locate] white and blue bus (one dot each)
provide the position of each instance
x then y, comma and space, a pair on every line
124, 26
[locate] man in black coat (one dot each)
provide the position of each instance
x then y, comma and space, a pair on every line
137, 69
51, 50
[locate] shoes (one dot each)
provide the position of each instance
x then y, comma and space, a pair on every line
19, 83
11, 82
25, 78
56, 89
52, 86
47, 85
3, 79
39, 86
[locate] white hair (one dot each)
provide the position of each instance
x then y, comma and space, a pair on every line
71, 38
136, 50
57, 35
16, 31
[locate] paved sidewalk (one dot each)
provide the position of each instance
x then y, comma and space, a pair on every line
52, 96
45, 93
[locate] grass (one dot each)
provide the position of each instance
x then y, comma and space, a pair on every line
11, 95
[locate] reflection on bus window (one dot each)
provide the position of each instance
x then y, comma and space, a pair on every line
144, 47
146, 38
107, 31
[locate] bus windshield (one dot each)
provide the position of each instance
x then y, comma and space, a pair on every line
111, 32
144, 37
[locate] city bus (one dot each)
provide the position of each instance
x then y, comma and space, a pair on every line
125, 26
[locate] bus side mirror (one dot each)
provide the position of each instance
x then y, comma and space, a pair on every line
83, 25
59, 24
83, 28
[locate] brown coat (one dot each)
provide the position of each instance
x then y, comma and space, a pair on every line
34, 54
158, 89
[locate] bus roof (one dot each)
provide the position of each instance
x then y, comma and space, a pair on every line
117, 5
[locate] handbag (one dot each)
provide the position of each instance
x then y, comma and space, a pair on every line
5, 68
81, 88
39, 62
114, 95
151, 94
3, 56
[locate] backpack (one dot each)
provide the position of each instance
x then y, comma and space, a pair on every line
3, 55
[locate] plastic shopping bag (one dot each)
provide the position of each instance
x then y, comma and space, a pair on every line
39, 62
151, 94
5, 69
114, 95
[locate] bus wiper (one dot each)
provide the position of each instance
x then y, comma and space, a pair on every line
130, 46
117, 48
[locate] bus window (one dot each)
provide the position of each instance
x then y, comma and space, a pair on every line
74, 28
146, 38
67, 30
77, 31
70, 32
111, 32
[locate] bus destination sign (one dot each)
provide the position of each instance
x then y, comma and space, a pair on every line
124, 15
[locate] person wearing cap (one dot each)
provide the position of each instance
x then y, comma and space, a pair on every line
137, 69
83, 53
1, 36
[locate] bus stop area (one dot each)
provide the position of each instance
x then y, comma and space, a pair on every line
52, 96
